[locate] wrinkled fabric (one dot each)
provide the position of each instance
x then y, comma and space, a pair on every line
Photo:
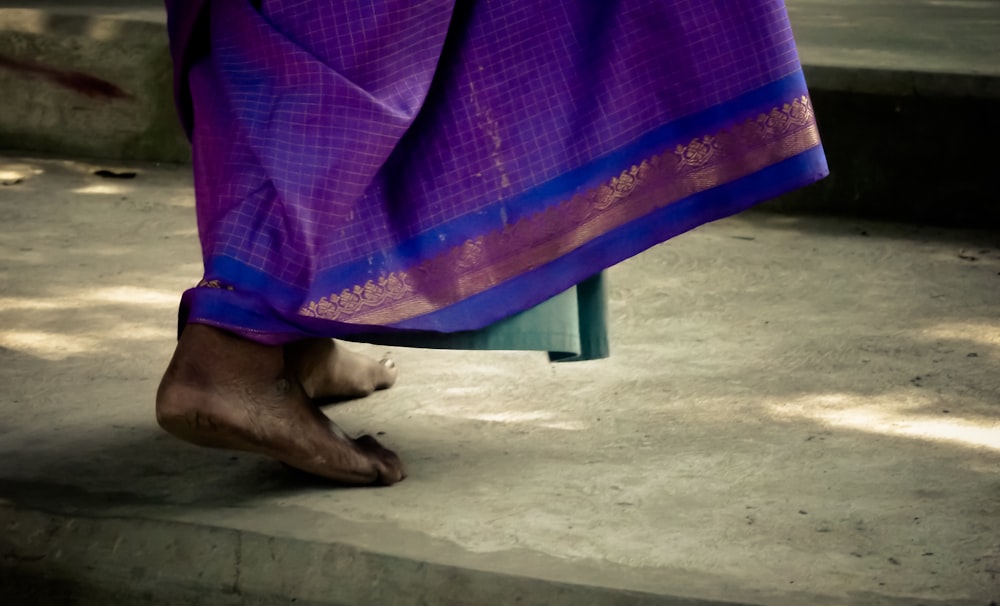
396, 166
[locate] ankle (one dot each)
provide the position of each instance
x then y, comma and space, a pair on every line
207, 356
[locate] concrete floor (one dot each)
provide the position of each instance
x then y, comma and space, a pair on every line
796, 411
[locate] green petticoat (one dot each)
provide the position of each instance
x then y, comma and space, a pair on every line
571, 326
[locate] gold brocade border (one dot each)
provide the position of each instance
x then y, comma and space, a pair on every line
706, 162
213, 284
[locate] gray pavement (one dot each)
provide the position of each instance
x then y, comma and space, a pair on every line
797, 411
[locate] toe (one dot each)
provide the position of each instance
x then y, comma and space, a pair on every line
390, 470
385, 373
389, 465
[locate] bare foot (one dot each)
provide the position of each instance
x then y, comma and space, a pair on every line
222, 391
329, 371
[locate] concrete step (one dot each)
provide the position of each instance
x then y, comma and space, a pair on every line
89, 79
797, 411
908, 99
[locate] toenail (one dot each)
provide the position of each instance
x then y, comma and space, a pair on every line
388, 363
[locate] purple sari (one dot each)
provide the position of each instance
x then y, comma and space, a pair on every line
438, 165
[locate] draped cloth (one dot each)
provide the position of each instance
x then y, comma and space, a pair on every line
395, 166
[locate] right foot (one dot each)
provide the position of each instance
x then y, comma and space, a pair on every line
222, 391
329, 371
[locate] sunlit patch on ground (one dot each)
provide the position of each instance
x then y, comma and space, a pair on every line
894, 415
47, 345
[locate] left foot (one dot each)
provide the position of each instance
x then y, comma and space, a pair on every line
223, 391
329, 371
